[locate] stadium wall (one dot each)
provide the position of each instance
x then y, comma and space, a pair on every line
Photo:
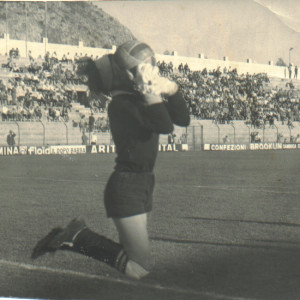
39, 49
107, 149
211, 64
199, 133
77, 149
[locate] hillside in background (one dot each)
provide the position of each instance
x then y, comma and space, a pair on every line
67, 23
239, 29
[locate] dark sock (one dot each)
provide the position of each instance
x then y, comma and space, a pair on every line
99, 247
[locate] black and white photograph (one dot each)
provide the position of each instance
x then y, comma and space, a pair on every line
150, 150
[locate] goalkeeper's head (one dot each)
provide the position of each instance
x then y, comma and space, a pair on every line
115, 71
128, 57
132, 53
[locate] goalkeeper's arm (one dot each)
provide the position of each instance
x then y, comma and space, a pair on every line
152, 86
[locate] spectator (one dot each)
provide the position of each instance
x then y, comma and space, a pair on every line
4, 113
180, 68
226, 139
84, 138
14, 53
69, 58
30, 56
296, 72
255, 137
93, 138
11, 139
290, 71
82, 123
91, 122
171, 138
183, 138
279, 138
186, 69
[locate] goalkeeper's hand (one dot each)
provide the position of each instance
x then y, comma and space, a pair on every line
149, 82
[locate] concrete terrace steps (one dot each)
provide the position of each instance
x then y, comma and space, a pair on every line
281, 83
78, 109
74, 114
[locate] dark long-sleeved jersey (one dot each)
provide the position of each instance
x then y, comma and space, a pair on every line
135, 128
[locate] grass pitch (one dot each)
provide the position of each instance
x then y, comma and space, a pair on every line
225, 225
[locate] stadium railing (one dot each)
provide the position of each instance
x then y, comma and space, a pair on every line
195, 135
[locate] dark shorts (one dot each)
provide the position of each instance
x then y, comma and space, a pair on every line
128, 194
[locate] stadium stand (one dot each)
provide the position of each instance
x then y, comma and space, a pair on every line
225, 96
233, 107
257, 107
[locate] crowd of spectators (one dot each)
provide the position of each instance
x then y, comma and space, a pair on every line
26, 98
45, 88
41, 88
223, 96
91, 124
14, 53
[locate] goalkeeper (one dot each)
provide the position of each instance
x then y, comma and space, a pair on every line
137, 115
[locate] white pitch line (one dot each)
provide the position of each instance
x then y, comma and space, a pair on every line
213, 187
115, 280
229, 188
55, 179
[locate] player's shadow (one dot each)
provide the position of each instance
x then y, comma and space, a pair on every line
269, 271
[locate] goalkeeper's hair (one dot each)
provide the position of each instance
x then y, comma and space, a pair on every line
99, 73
